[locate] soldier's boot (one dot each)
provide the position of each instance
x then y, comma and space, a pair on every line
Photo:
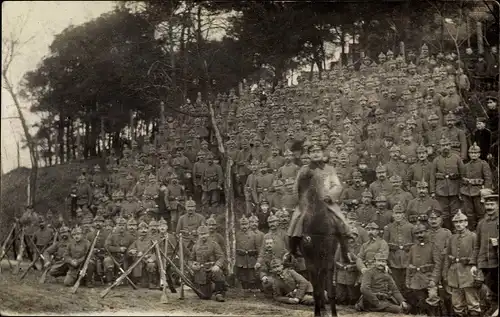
109, 277
89, 277
219, 291
151, 280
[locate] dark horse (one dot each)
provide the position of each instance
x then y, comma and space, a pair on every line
322, 235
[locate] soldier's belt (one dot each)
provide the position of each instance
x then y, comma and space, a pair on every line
447, 176
423, 269
474, 181
262, 189
241, 252
207, 265
404, 247
410, 160
211, 179
463, 260
455, 144
346, 267
422, 217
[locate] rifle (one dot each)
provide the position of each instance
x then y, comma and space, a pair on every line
38, 255
120, 268
44, 274
181, 251
83, 271
129, 270
183, 277
164, 296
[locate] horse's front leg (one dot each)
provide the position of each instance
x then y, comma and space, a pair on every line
317, 290
332, 296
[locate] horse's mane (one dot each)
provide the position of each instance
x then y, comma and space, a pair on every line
311, 203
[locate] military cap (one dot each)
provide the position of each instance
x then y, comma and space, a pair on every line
372, 225
380, 198
244, 220
287, 152
381, 55
398, 208
131, 222
121, 221
422, 184
63, 229
395, 178
315, 147
450, 116
263, 201
162, 222
202, 229
153, 223
433, 116
190, 203
211, 220
492, 98
420, 227
381, 168
77, 230
481, 119
433, 212
272, 218
276, 263
490, 197
99, 218
389, 53
253, 218
459, 216
379, 111
143, 224
367, 193
421, 148
474, 148
395, 148
444, 141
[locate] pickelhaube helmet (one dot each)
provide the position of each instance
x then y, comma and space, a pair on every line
459, 216
244, 220
422, 184
211, 220
421, 148
77, 230
395, 148
142, 225
121, 221
367, 193
162, 221
372, 225
202, 230
474, 148
272, 218
381, 168
380, 198
99, 218
450, 116
131, 222
190, 203
253, 218
63, 229
398, 208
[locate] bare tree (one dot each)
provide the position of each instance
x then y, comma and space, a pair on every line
11, 46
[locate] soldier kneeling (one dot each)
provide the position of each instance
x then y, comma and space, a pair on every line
75, 255
290, 287
207, 263
148, 264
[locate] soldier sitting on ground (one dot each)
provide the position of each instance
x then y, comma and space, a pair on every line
290, 287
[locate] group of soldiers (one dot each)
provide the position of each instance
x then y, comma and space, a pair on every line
418, 178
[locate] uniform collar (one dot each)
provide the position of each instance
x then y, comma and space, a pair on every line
492, 217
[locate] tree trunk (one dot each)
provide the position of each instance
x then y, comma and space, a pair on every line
343, 57
68, 140
94, 132
86, 142
60, 138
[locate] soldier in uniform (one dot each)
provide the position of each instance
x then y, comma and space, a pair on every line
254, 227
417, 208
211, 183
482, 136
375, 244
421, 260
352, 194
399, 237
188, 224
148, 264
242, 161
395, 166
456, 136
280, 244
398, 195
275, 161
446, 172
246, 255
117, 243
383, 215
138, 189
289, 199
207, 263
263, 183
382, 184
458, 261
290, 287
366, 211
379, 291
54, 255
289, 169
433, 135
42, 237
485, 256
95, 268
175, 196
418, 171
198, 170
83, 192
130, 207
75, 255
347, 274
477, 175
214, 235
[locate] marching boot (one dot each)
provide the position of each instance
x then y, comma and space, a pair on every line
219, 292
109, 277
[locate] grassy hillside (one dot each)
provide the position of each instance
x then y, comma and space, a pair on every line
53, 186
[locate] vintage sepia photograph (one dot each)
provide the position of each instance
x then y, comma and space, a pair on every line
249, 158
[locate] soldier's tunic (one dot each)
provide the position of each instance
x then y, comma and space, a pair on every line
382, 217
408, 152
138, 189
288, 282
259, 238
432, 137
417, 208
96, 261
188, 224
57, 250
83, 195
251, 198
212, 179
142, 244
275, 162
458, 140
198, 170
263, 184
114, 242
217, 237
208, 253
485, 255
457, 264
477, 174
289, 170
289, 199
75, 251
246, 257
415, 173
378, 187
365, 213
396, 167
347, 275
366, 255
446, 172
421, 261
399, 238
42, 237
379, 292
399, 196
351, 193
130, 209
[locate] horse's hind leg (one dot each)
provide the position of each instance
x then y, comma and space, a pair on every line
317, 290
331, 292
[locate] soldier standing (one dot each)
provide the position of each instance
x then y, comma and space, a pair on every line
254, 227
417, 208
477, 175
383, 215
458, 262
211, 182
246, 255
198, 170
398, 195
418, 171
214, 235
207, 263
375, 244
456, 136
399, 237
347, 274
289, 169
446, 172
366, 211
485, 255
83, 192
279, 245
382, 184
175, 196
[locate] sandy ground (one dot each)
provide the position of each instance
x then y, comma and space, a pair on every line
27, 297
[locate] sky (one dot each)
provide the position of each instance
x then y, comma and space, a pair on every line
41, 20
